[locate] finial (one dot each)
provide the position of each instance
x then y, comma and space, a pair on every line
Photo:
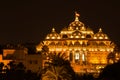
53, 29
76, 16
100, 29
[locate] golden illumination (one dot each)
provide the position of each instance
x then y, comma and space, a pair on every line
77, 56
84, 46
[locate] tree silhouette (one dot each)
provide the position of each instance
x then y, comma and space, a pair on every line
1, 66
1, 71
111, 72
15, 71
59, 68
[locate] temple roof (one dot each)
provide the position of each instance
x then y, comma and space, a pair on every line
76, 23
53, 35
101, 35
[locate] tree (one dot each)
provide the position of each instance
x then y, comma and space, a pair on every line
1, 70
45, 49
29, 75
59, 68
15, 71
111, 57
1, 66
111, 72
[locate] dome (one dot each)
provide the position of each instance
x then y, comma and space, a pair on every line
53, 35
75, 23
100, 35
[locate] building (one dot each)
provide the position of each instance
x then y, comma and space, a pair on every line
87, 51
20, 54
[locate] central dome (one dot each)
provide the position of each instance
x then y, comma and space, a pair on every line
76, 23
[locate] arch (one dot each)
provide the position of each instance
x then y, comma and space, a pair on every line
88, 36
77, 57
64, 36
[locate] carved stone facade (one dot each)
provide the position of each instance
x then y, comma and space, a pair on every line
87, 51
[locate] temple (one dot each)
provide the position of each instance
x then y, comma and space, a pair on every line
87, 51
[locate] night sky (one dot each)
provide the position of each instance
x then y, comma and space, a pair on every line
31, 20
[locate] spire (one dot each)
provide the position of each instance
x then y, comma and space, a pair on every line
53, 29
100, 29
77, 16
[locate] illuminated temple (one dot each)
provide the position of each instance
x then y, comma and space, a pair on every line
87, 51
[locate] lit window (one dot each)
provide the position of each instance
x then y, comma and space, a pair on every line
83, 57
77, 56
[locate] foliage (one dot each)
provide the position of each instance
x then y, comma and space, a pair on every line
16, 71
111, 72
59, 68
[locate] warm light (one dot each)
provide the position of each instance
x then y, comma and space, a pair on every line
77, 56
58, 37
53, 37
88, 54
83, 57
71, 36
76, 49
106, 37
58, 49
100, 37
81, 42
95, 37
64, 49
92, 49
76, 36
82, 36
84, 49
108, 49
47, 37
70, 49
95, 49
8, 51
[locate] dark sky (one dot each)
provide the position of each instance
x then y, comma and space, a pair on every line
31, 20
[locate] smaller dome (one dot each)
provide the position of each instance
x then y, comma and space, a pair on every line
53, 35
76, 23
100, 35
